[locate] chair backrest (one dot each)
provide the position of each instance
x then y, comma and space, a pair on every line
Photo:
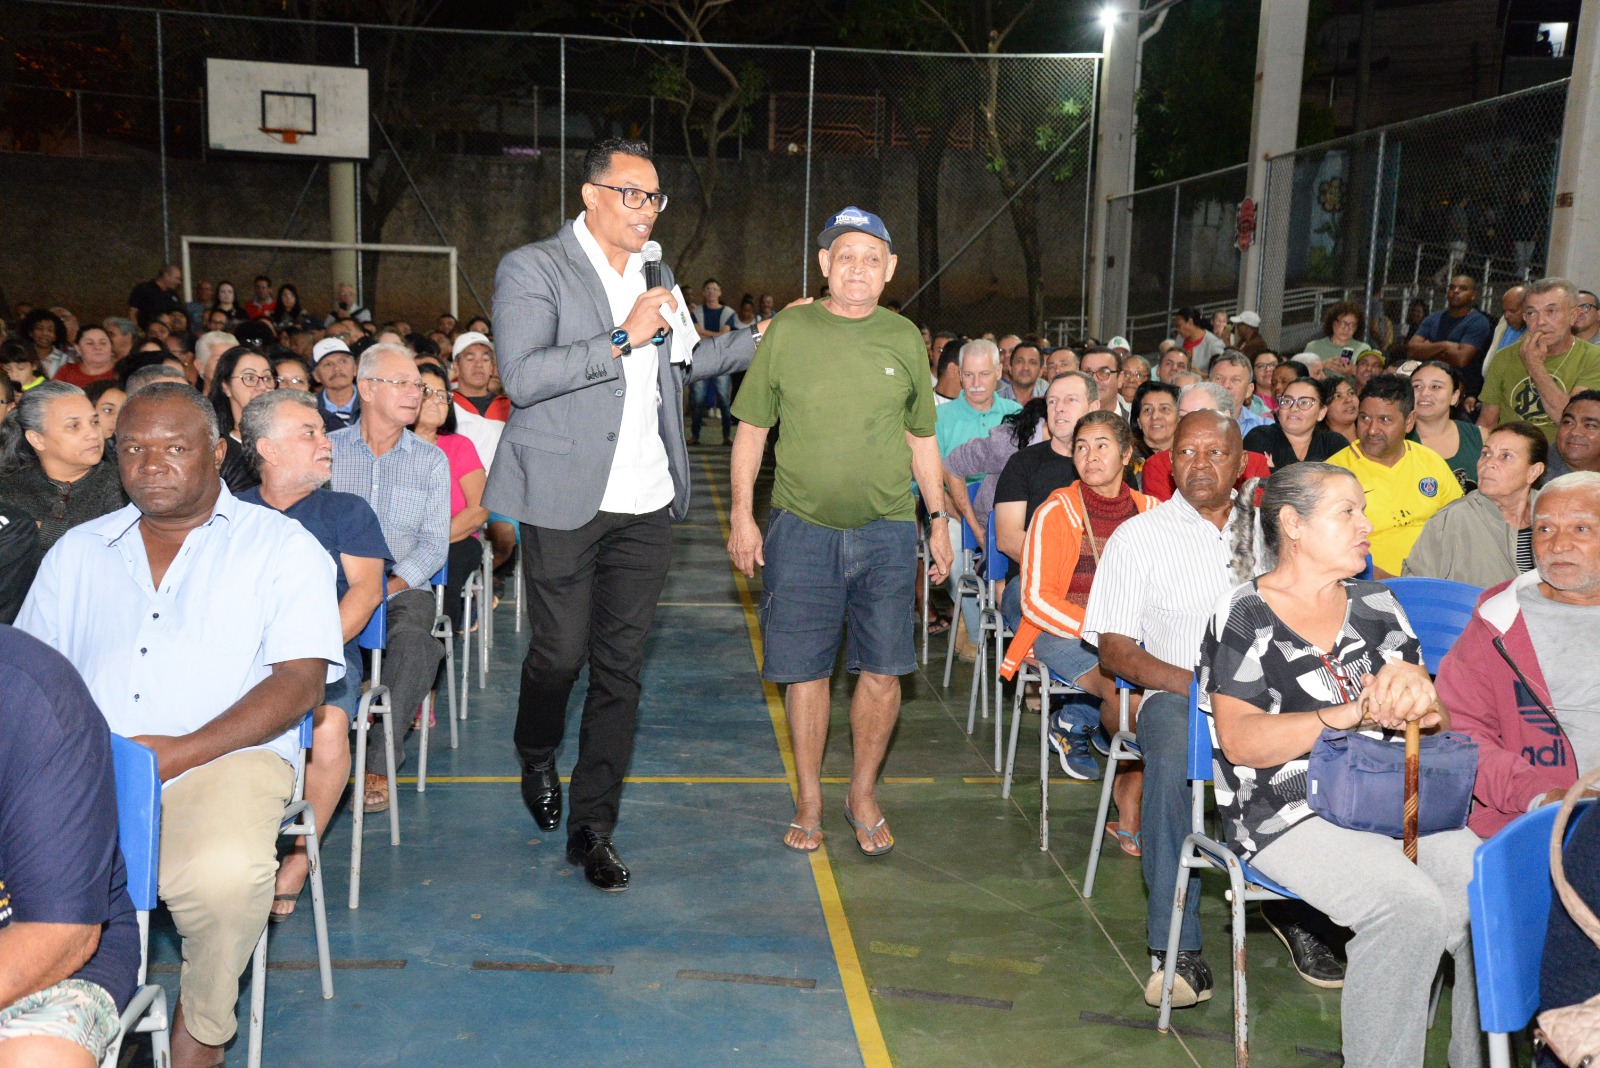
1510, 897
1199, 737
995, 562
375, 635
1367, 572
138, 817
443, 576
1439, 610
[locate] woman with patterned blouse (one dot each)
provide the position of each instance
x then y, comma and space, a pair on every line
1303, 649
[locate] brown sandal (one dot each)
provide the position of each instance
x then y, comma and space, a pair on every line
377, 794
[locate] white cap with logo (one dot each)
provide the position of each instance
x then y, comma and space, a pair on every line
327, 345
1248, 318
470, 337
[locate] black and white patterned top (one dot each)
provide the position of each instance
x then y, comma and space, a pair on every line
1250, 654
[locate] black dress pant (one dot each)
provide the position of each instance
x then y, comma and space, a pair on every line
591, 596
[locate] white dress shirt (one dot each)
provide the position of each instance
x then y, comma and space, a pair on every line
1158, 582
640, 480
249, 589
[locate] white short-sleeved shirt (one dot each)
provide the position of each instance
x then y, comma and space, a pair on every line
249, 589
1158, 582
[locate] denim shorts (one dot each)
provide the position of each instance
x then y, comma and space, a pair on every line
346, 693
1069, 658
817, 579
76, 1010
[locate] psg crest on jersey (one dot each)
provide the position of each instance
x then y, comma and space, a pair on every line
1429, 487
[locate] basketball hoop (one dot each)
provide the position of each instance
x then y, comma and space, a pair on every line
288, 135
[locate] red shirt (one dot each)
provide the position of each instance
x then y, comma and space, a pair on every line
1156, 477
74, 374
499, 408
256, 310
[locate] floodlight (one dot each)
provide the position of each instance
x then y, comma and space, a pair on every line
1108, 17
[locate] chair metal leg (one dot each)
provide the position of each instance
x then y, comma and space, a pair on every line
1100, 817
1180, 894
423, 735
1016, 726
161, 1039
1044, 759
466, 646
999, 689
1500, 1051
486, 614
450, 692
258, 999
319, 908
516, 577
973, 699
388, 759
358, 793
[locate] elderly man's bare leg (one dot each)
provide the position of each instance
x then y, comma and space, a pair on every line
873, 711
807, 705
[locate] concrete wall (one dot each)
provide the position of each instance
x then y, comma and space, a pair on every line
82, 232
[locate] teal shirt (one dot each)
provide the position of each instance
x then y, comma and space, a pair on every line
958, 422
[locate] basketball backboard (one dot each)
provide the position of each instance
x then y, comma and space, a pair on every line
288, 109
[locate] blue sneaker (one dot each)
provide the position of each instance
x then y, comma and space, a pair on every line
1102, 742
1072, 746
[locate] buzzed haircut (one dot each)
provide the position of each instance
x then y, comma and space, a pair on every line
1391, 388
597, 160
150, 374
1552, 285
156, 392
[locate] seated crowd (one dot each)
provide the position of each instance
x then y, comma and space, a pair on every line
1209, 511
256, 492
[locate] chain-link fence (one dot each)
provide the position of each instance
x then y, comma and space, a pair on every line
1385, 218
1382, 218
979, 165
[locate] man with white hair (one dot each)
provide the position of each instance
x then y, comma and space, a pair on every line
971, 415
1311, 362
1156, 477
407, 482
1233, 371
1526, 654
207, 347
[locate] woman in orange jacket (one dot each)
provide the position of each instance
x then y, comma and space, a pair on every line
1059, 557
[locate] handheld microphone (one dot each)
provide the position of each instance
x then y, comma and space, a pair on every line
652, 278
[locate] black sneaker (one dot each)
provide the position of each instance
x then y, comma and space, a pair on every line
1311, 957
1191, 980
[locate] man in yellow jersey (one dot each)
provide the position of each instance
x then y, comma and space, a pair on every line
1406, 483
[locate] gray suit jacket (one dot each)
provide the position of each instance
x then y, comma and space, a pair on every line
553, 337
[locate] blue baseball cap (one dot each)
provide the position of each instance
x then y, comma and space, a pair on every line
853, 220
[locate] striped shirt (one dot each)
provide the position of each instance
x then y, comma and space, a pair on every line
1159, 579
409, 488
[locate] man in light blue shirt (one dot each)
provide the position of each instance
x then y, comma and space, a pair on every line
205, 629
971, 415
1233, 371
407, 482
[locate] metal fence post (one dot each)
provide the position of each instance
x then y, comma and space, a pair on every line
1377, 215
1172, 260
561, 166
805, 218
1089, 163
361, 257
161, 121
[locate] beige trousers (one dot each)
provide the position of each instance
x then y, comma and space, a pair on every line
219, 859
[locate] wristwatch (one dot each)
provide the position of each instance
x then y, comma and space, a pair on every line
938, 515
755, 334
619, 338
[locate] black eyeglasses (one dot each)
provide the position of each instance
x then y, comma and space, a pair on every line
634, 199
251, 380
1305, 404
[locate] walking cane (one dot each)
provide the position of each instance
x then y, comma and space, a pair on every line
1413, 765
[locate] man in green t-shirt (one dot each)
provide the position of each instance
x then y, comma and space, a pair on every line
849, 382
1535, 377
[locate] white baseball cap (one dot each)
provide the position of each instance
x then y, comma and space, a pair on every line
1248, 318
471, 337
327, 345
1119, 343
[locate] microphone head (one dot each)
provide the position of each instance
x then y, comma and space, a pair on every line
651, 252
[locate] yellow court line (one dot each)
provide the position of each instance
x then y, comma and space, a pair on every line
869, 1036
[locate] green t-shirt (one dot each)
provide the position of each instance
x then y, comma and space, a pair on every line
1508, 387
846, 392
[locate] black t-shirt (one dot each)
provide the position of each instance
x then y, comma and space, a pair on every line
19, 558
1031, 475
152, 300
59, 861
1271, 440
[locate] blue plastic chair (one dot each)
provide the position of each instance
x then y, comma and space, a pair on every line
992, 630
1202, 851
139, 836
299, 821
1510, 896
377, 701
1438, 609
445, 631
967, 585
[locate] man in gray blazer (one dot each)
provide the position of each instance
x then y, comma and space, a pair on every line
593, 464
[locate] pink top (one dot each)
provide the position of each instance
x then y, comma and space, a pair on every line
463, 457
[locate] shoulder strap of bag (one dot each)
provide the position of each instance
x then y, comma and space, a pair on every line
1577, 908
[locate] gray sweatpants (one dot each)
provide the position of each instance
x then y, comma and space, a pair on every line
1405, 916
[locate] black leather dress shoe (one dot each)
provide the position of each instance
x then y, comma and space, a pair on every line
541, 792
601, 864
